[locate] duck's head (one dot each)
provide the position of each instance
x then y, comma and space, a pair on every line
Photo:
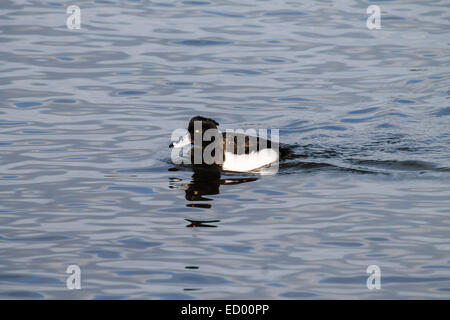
193, 131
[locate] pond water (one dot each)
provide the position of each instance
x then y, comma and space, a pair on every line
86, 177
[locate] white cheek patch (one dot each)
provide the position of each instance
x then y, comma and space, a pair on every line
248, 162
184, 141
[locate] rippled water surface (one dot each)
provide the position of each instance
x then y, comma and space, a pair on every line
85, 172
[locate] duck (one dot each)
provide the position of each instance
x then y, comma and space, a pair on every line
231, 151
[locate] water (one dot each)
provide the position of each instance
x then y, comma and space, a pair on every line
85, 173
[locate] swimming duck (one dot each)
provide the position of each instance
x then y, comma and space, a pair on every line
236, 151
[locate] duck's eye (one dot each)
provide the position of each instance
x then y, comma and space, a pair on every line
197, 131
195, 192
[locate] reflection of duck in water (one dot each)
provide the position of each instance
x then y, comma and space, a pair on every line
236, 151
206, 180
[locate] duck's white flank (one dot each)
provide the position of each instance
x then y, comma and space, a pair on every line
248, 162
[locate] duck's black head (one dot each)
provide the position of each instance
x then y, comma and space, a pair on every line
206, 123
203, 124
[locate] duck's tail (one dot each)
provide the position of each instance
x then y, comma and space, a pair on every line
287, 152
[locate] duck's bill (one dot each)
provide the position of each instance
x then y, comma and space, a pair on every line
184, 141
